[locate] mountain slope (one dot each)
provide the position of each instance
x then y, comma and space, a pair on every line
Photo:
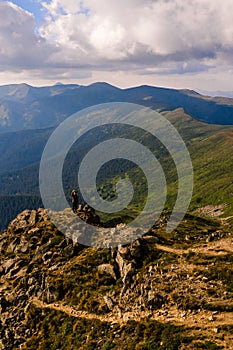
22, 148
26, 107
210, 146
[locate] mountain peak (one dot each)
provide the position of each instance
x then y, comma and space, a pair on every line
103, 85
58, 84
55, 103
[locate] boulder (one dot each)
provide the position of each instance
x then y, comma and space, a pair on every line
107, 269
109, 302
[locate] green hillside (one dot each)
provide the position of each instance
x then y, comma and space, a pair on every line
210, 147
211, 150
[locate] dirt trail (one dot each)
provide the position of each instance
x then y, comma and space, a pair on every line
221, 247
223, 220
201, 322
205, 319
72, 312
197, 324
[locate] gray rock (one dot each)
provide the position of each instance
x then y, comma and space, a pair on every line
13, 245
32, 218
9, 264
107, 269
23, 246
109, 302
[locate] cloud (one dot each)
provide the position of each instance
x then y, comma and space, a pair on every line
140, 32
150, 36
20, 47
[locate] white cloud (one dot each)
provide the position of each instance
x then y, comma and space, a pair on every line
139, 31
57, 7
19, 46
142, 36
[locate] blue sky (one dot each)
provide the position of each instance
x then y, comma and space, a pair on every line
37, 9
173, 43
32, 6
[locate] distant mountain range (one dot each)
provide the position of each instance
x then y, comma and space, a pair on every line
228, 94
25, 107
28, 115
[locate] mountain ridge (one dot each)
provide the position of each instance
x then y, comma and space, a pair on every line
20, 165
26, 107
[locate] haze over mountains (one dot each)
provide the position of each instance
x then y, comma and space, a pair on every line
25, 107
228, 94
29, 114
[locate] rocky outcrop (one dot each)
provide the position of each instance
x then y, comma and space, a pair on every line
27, 219
133, 296
88, 214
39, 262
31, 249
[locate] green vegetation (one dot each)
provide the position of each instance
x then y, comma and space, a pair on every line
56, 330
173, 287
210, 147
211, 150
84, 293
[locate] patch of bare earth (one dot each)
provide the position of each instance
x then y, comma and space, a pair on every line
211, 210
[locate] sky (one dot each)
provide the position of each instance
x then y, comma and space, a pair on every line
171, 43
